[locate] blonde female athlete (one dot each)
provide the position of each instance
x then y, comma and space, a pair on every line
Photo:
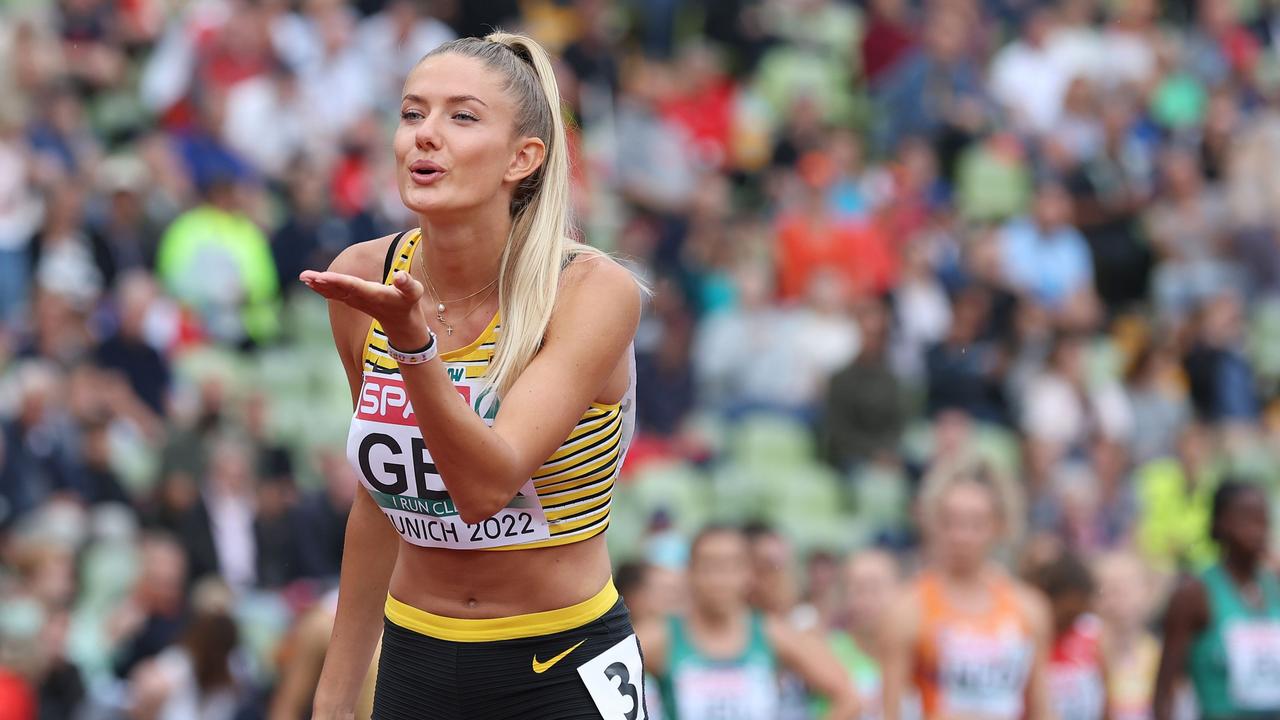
490, 365
968, 638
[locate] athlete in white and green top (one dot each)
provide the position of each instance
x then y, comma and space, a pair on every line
721, 661
871, 580
1222, 630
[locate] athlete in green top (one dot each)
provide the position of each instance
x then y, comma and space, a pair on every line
1223, 628
722, 659
871, 580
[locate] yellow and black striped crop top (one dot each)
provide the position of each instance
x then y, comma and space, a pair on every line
566, 501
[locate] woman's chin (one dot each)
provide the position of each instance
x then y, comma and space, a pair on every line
426, 200
964, 563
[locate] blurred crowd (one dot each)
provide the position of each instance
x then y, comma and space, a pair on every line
885, 237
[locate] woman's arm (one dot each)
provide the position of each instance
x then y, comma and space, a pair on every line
1108, 683
1187, 615
300, 672
370, 546
902, 631
652, 636
808, 656
1036, 609
594, 323
597, 311
368, 556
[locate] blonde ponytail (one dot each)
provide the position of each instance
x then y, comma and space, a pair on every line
540, 242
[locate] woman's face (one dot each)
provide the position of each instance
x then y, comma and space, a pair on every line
456, 145
1245, 525
871, 582
967, 525
1124, 591
720, 571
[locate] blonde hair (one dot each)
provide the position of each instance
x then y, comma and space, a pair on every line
1007, 499
539, 244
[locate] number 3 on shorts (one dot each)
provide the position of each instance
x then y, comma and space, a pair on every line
615, 679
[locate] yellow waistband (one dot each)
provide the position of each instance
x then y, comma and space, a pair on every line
507, 628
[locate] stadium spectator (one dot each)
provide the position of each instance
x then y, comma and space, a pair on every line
1045, 256
1174, 496
864, 413
217, 262
1027, 76
1219, 375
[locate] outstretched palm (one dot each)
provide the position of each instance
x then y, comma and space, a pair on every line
393, 306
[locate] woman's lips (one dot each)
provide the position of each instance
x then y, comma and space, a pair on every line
425, 172
425, 178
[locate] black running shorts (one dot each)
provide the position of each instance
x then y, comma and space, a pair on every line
572, 664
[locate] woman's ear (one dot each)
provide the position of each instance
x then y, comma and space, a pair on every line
529, 156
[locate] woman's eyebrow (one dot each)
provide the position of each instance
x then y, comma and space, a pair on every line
465, 98
451, 99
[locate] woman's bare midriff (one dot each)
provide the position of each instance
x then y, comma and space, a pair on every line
473, 584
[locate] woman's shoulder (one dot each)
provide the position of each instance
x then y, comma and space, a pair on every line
583, 263
593, 276
910, 610
1034, 606
1189, 601
366, 259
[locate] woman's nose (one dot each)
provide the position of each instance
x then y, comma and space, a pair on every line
427, 135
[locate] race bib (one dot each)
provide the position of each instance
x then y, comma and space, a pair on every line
870, 695
615, 680
726, 693
387, 450
984, 674
1077, 693
1253, 663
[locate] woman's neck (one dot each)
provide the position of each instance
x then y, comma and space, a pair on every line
1242, 567
866, 638
463, 256
1123, 638
963, 576
718, 619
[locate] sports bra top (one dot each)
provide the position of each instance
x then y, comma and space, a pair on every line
973, 665
566, 501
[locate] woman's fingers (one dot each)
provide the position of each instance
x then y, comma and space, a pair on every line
328, 291
349, 283
339, 285
409, 287
371, 298
325, 285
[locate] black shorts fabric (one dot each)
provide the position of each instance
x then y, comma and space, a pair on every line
427, 678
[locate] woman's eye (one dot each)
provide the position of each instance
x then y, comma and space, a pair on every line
416, 115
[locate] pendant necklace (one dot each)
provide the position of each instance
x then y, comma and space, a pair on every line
449, 328
440, 303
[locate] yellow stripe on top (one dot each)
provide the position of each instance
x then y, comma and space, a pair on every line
575, 484
507, 628
474, 357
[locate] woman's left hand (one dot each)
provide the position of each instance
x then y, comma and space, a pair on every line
394, 306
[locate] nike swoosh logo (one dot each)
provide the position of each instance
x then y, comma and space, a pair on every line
541, 667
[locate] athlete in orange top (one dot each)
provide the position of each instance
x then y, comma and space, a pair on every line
970, 639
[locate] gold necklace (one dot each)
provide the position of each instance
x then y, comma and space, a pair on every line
440, 303
449, 328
